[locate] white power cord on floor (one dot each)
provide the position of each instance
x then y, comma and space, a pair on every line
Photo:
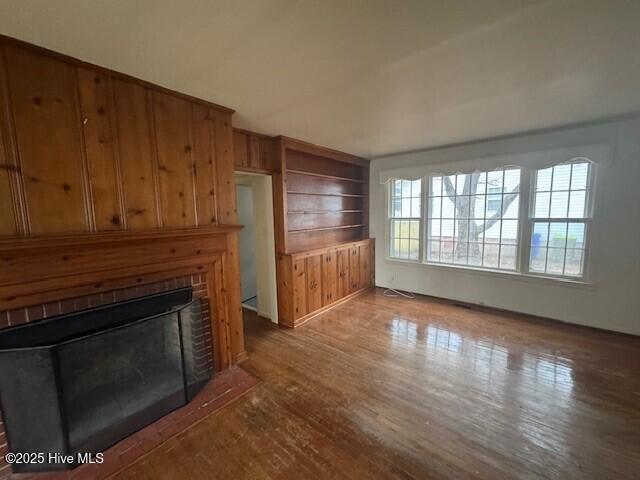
391, 292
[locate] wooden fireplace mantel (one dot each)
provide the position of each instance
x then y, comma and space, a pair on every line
37, 270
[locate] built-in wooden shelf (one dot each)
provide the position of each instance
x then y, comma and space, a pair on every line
320, 229
303, 212
322, 175
356, 195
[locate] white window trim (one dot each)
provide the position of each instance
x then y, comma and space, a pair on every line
523, 247
421, 224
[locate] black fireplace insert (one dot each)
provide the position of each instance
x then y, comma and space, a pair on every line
79, 383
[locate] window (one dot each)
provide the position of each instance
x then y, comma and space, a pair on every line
559, 219
405, 219
473, 219
532, 222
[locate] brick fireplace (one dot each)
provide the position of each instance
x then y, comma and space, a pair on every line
41, 278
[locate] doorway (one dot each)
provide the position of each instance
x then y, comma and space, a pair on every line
257, 244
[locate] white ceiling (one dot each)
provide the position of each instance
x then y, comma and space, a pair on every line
369, 77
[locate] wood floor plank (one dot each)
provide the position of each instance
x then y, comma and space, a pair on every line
385, 387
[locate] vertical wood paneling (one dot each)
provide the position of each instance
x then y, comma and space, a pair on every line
98, 119
204, 158
172, 119
45, 112
255, 156
314, 283
224, 166
10, 224
329, 278
240, 149
135, 153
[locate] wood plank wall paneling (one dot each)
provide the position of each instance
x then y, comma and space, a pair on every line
44, 106
176, 172
98, 122
136, 154
253, 152
84, 149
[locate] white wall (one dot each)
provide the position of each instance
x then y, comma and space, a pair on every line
263, 248
611, 301
246, 242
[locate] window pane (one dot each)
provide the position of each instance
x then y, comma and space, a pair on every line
447, 229
579, 176
436, 186
557, 235
462, 230
492, 234
508, 257
491, 254
477, 204
462, 206
575, 235
509, 232
494, 181
573, 262
433, 250
415, 207
543, 180
481, 187
541, 209
475, 254
414, 229
559, 204
512, 180
406, 207
416, 188
577, 204
435, 207
414, 247
397, 188
406, 188
513, 208
397, 208
460, 252
395, 228
540, 234
394, 250
446, 252
538, 259
404, 248
447, 208
555, 261
561, 177
434, 228
494, 204
461, 180
448, 183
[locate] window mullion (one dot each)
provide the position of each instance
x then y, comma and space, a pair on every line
524, 221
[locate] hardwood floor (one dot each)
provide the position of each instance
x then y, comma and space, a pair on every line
417, 389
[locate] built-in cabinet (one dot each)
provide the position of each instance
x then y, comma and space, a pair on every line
311, 282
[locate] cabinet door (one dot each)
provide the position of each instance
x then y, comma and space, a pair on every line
343, 272
354, 269
299, 279
365, 266
329, 278
314, 283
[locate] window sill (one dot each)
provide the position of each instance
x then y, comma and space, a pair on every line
525, 277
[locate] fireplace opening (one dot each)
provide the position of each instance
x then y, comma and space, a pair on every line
79, 383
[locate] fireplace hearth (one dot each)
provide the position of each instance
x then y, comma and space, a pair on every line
79, 383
